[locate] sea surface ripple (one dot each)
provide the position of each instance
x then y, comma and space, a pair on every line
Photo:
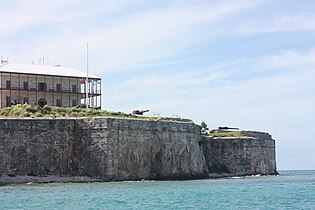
290, 190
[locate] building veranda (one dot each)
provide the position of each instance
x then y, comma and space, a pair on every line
51, 85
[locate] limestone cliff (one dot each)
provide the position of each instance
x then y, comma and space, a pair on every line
239, 156
126, 149
106, 148
40, 147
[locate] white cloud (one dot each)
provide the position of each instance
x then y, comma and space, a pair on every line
22, 15
136, 38
287, 59
159, 34
278, 24
210, 87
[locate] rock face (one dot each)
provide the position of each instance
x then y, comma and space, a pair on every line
106, 148
127, 149
40, 147
250, 155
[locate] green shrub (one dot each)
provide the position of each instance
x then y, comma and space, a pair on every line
75, 110
38, 114
31, 109
47, 109
54, 112
5, 112
26, 114
15, 111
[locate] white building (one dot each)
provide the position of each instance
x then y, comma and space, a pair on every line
51, 85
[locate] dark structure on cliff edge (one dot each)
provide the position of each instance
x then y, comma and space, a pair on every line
127, 149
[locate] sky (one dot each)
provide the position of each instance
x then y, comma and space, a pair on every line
239, 63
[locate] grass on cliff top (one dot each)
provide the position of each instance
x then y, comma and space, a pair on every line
226, 134
55, 112
235, 134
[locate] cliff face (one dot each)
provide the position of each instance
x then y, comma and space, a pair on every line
40, 147
240, 156
106, 148
127, 149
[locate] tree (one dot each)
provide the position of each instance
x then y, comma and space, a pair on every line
204, 128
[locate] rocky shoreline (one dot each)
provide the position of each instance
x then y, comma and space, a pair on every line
20, 180
8, 180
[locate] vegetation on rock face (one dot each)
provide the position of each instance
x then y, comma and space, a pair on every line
235, 134
217, 133
55, 112
204, 128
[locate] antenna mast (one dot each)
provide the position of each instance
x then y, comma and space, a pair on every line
87, 75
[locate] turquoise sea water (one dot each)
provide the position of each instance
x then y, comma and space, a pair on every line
291, 190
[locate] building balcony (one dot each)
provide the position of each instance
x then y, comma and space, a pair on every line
51, 90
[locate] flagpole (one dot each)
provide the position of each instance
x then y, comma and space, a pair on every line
87, 75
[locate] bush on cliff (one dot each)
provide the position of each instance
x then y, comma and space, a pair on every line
238, 134
4, 112
204, 128
54, 112
216, 133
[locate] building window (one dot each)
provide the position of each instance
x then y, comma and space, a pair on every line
25, 100
58, 102
74, 88
8, 84
42, 86
58, 87
25, 85
8, 101
74, 102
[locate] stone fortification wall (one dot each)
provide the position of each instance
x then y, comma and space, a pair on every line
240, 156
40, 147
106, 148
133, 149
127, 149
